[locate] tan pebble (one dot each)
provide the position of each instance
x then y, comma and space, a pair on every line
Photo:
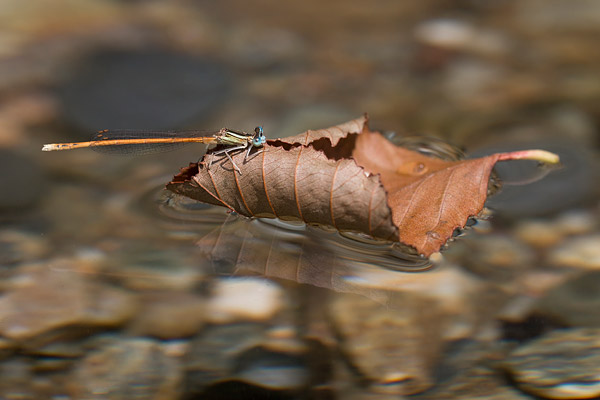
538, 233
578, 252
237, 299
169, 315
577, 222
396, 349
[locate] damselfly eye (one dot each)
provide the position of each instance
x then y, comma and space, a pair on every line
259, 130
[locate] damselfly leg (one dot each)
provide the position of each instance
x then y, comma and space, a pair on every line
226, 152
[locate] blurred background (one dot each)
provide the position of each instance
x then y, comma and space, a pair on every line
108, 290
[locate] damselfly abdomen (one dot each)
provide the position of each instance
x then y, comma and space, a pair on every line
144, 142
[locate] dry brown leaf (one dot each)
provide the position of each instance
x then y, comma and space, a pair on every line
429, 197
334, 133
359, 181
297, 184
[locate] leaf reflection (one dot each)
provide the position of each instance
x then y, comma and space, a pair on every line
304, 254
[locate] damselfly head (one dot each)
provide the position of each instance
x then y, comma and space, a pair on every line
259, 137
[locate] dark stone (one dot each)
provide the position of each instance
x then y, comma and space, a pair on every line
142, 90
571, 186
575, 302
213, 355
533, 326
237, 353
239, 390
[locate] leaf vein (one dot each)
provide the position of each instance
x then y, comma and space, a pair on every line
237, 185
264, 176
331, 195
296, 183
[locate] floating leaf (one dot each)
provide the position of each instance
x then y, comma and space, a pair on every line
352, 179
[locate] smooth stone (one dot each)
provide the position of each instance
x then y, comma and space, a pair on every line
497, 256
577, 222
449, 286
142, 90
534, 283
18, 247
271, 370
216, 345
538, 233
574, 302
564, 364
169, 315
127, 369
578, 252
158, 271
478, 383
214, 354
250, 352
560, 190
242, 298
43, 298
394, 349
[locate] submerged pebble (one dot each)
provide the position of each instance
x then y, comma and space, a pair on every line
127, 369
43, 298
577, 222
496, 256
478, 383
169, 315
563, 364
243, 352
213, 354
538, 233
244, 299
578, 252
576, 302
157, 271
395, 349
18, 247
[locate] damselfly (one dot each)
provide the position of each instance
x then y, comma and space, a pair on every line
148, 141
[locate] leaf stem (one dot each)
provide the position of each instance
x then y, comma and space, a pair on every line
543, 156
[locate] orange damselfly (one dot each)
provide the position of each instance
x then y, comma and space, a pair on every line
131, 141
